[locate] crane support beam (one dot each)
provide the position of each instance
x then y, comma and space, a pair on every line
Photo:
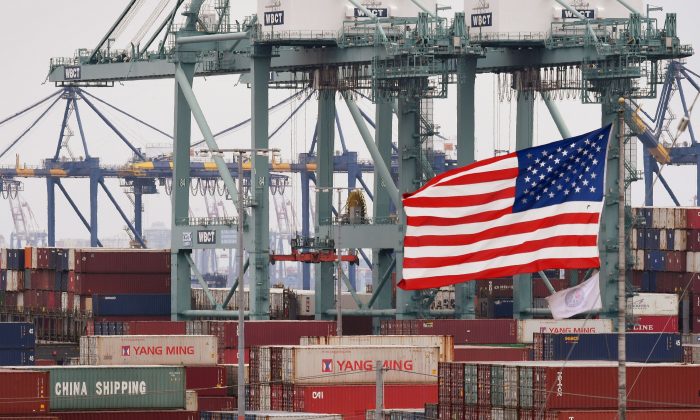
117, 22
195, 39
75, 208
122, 214
379, 163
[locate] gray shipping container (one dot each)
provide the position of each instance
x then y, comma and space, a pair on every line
87, 388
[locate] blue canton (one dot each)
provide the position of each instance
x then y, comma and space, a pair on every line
572, 169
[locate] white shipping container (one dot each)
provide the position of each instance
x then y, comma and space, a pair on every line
35, 258
3, 258
680, 240
532, 19
191, 400
321, 365
634, 238
88, 305
696, 262
64, 301
656, 218
653, 304
638, 260
76, 303
444, 342
148, 350
20, 301
527, 327
71, 259
663, 239
670, 218
681, 218
690, 262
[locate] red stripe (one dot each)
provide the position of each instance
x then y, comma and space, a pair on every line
488, 254
543, 264
459, 201
451, 172
486, 216
497, 232
479, 177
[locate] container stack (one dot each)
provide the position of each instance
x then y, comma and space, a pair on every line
665, 246
340, 379
17, 343
640, 347
528, 390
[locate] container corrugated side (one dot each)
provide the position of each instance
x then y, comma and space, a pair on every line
116, 387
17, 335
24, 392
464, 331
680, 414
527, 327
148, 350
131, 305
98, 260
444, 342
129, 415
492, 353
640, 347
653, 304
356, 364
108, 283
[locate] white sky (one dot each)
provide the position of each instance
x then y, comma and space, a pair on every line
34, 31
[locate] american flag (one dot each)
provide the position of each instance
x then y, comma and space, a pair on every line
534, 209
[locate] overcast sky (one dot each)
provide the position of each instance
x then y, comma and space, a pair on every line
34, 31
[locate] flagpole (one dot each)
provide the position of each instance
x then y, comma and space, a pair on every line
621, 292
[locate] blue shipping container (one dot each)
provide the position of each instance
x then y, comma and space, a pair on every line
502, 308
648, 281
16, 357
641, 235
17, 335
641, 347
130, 305
670, 239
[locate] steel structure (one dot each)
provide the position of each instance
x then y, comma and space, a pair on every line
398, 67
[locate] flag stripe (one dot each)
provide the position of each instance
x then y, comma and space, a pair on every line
485, 216
463, 201
451, 227
487, 254
430, 281
451, 212
495, 163
502, 242
470, 178
522, 227
463, 190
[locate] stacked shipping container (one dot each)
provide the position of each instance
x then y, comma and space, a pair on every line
17, 343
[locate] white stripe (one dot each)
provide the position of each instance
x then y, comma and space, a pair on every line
463, 190
593, 207
504, 261
500, 242
461, 211
509, 163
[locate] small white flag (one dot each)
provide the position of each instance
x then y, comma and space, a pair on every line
576, 300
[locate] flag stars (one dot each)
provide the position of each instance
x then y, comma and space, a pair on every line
578, 189
566, 192
542, 177
595, 161
549, 169
556, 161
593, 175
551, 195
585, 182
564, 153
592, 189
529, 155
527, 179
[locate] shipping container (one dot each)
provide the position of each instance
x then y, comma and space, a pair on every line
16, 357
344, 364
116, 387
657, 324
128, 415
527, 327
670, 414
123, 283
148, 350
444, 342
142, 261
24, 392
464, 331
17, 335
640, 347
653, 304
265, 415
131, 305
205, 403
208, 381
262, 333
232, 378
156, 327
491, 353
351, 400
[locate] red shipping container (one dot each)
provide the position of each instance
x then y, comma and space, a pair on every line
655, 324
128, 415
594, 386
157, 327
71, 283
122, 261
693, 218
693, 240
216, 403
53, 301
230, 356
491, 354
631, 415
355, 400
539, 290
44, 362
123, 283
24, 392
465, 331
208, 381
42, 279
267, 333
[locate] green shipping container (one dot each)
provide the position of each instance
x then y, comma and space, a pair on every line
116, 387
